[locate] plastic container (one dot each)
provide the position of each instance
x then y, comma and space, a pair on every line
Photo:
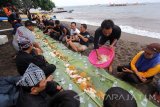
104, 50
3, 39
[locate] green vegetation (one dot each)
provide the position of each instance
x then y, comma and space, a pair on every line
28, 4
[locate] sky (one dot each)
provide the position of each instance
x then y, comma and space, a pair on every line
92, 2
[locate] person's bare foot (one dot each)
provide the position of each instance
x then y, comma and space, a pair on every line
110, 69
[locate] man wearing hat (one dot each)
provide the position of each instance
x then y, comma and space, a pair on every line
25, 32
37, 90
28, 54
145, 65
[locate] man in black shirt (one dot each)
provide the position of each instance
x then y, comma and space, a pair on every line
28, 55
83, 42
60, 30
34, 18
45, 21
107, 32
37, 90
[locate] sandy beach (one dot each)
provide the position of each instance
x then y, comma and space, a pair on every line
7, 65
127, 47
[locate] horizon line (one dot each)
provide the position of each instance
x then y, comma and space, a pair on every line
108, 4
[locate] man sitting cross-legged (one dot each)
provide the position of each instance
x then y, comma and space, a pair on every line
73, 33
83, 40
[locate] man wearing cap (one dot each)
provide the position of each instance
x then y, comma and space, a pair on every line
28, 54
25, 32
38, 91
144, 66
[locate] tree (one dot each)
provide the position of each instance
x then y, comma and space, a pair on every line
26, 5
44, 4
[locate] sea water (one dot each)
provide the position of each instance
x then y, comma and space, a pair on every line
139, 19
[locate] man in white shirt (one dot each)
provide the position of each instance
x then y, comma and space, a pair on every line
25, 32
83, 42
73, 33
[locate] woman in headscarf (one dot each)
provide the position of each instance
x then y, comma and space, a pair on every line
145, 65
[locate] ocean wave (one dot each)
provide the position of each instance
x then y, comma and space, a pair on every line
141, 32
125, 28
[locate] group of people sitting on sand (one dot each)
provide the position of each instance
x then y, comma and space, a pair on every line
37, 87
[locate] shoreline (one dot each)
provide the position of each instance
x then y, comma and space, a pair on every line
127, 47
143, 40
